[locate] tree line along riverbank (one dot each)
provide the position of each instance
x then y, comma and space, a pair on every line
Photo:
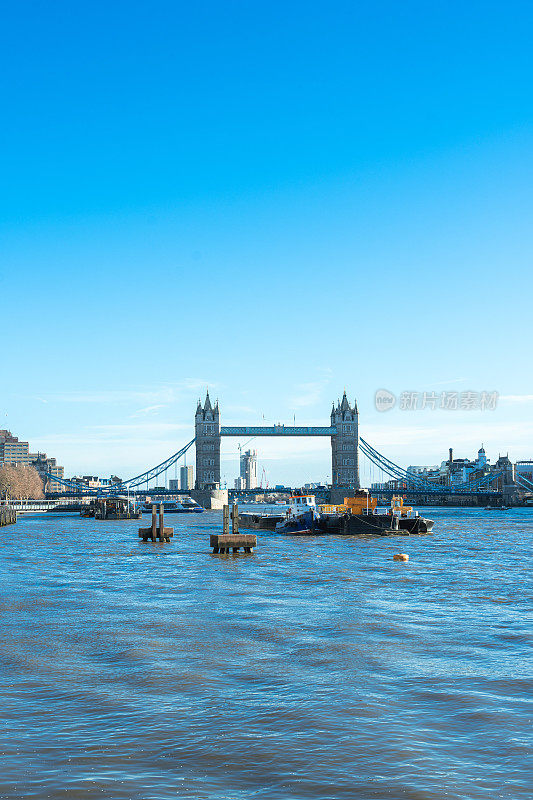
7, 516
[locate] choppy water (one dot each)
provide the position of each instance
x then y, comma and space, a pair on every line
315, 668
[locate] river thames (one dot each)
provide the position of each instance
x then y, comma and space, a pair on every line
314, 668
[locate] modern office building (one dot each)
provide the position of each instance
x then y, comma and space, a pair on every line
186, 477
17, 454
12, 451
249, 469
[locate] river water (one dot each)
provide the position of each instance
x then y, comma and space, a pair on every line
314, 668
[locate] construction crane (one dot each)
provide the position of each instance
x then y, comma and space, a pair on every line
240, 449
240, 446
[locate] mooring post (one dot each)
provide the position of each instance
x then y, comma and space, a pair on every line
154, 523
235, 523
161, 521
225, 519
226, 541
153, 533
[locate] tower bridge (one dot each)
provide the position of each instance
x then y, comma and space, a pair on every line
343, 432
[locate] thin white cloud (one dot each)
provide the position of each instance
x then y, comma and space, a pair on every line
232, 409
127, 433
419, 445
164, 394
309, 393
147, 428
448, 382
516, 398
141, 412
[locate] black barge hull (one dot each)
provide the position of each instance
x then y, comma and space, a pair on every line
258, 522
345, 525
374, 524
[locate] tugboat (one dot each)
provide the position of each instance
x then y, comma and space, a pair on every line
301, 517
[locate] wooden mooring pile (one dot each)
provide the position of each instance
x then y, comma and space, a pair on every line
7, 516
155, 531
226, 541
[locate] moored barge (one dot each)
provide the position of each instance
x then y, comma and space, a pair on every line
356, 517
259, 522
111, 508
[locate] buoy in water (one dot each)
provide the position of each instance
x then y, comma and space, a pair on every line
400, 557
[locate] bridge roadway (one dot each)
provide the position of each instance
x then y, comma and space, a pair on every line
277, 430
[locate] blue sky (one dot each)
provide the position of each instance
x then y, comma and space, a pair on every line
278, 200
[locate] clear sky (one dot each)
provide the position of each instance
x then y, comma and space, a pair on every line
278, 200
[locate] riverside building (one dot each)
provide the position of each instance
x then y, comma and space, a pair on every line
47, 467
15, 453
12, 451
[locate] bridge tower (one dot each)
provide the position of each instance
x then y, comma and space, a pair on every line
345, 445
207, 432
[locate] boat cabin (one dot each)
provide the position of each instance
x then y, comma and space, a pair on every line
397, 508
361, 503
116, 508
300, 503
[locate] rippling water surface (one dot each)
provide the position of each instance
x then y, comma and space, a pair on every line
315, 668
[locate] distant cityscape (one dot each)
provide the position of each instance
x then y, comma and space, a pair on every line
451, 472
458, 471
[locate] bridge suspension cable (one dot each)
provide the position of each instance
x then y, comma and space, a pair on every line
525, 483
129, 484
390, 467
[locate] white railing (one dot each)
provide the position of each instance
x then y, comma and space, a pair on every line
22, 506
